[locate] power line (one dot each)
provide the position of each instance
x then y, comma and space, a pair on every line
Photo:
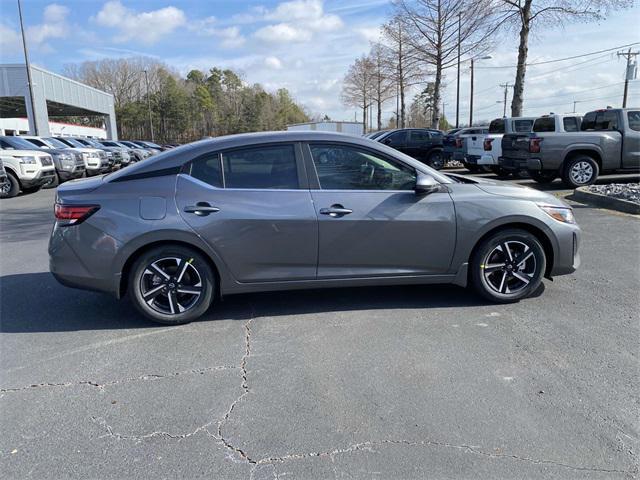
563, 59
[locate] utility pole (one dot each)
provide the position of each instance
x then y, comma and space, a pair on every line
574, 105
458, 81
471, 98
28, 66
629, 74
146, 77
506, 91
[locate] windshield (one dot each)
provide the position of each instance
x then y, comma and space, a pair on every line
18, 143
74, 143
54, 142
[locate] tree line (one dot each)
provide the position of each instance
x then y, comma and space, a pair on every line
425, 39
204, 103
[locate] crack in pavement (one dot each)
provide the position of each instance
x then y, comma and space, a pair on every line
150, 376
369, 445
110, 433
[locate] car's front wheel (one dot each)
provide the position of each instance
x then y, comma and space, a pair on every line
172, 284
508, 266
10, 188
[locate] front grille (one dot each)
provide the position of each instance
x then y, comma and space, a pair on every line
46, 161
102, 154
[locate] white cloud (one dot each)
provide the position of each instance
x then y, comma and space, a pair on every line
230, 37
9, 41
54, 25
371, 34
147, 27
273, 62
283, 33
299, 21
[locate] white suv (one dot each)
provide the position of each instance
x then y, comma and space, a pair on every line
27, 170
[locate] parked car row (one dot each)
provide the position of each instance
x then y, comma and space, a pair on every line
32, 162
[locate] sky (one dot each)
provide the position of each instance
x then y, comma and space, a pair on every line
307, 46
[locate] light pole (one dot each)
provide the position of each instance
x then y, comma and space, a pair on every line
29, 79
486, 57
458, 80
146, 77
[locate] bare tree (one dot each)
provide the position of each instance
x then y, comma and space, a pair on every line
358, 86
438, 27
403, 67
383, 85
523, 15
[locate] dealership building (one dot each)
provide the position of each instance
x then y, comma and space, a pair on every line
53, 96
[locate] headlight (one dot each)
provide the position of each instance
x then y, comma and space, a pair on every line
561, 214
29, 160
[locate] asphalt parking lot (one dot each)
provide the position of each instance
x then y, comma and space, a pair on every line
402, 382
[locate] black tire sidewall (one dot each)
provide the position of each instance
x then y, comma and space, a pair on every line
543, 177
15, 186
488, 245
200, 263
566, 174
432, 157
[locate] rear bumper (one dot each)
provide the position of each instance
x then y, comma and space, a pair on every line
517, 164
472, 159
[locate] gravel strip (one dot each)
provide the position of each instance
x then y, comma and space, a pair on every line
623, 191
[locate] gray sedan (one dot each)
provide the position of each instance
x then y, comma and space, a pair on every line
291, 210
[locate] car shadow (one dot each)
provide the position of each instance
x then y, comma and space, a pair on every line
35, 302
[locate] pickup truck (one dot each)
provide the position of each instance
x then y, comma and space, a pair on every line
486, 151
456, 142
27, 169
608, 141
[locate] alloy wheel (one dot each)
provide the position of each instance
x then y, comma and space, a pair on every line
171, 285
581, 172
509, 267
5, 187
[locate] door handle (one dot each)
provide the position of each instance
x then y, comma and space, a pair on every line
335, 211
201, 209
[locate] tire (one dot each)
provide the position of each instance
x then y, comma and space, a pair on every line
11, 188
197, 277
543, 177
54, 182
580, 171
498, 278
500, 172
436, 160
31, 189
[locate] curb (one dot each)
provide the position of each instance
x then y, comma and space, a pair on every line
604, 201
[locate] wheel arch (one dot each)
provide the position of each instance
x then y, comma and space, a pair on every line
134, 253
536, 231
11, 170
589, 152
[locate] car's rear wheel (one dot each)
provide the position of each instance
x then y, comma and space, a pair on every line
436, 160
172, 284
580, 171
508, 266
10, 188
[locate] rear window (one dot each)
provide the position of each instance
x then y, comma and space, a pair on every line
497, 126
522, 125
544, 124
418, 136
601, 121
570, 124
634, 120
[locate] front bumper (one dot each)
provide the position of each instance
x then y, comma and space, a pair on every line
567, 252
39, 179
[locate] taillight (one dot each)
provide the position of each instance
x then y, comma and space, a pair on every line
487, 144
74, 214
534, 145
458, 143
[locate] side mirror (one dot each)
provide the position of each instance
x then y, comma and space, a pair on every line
426, 184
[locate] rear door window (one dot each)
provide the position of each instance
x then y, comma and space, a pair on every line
544, 124
634, 120
419, 136
267, 167
497, 126
570, 124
